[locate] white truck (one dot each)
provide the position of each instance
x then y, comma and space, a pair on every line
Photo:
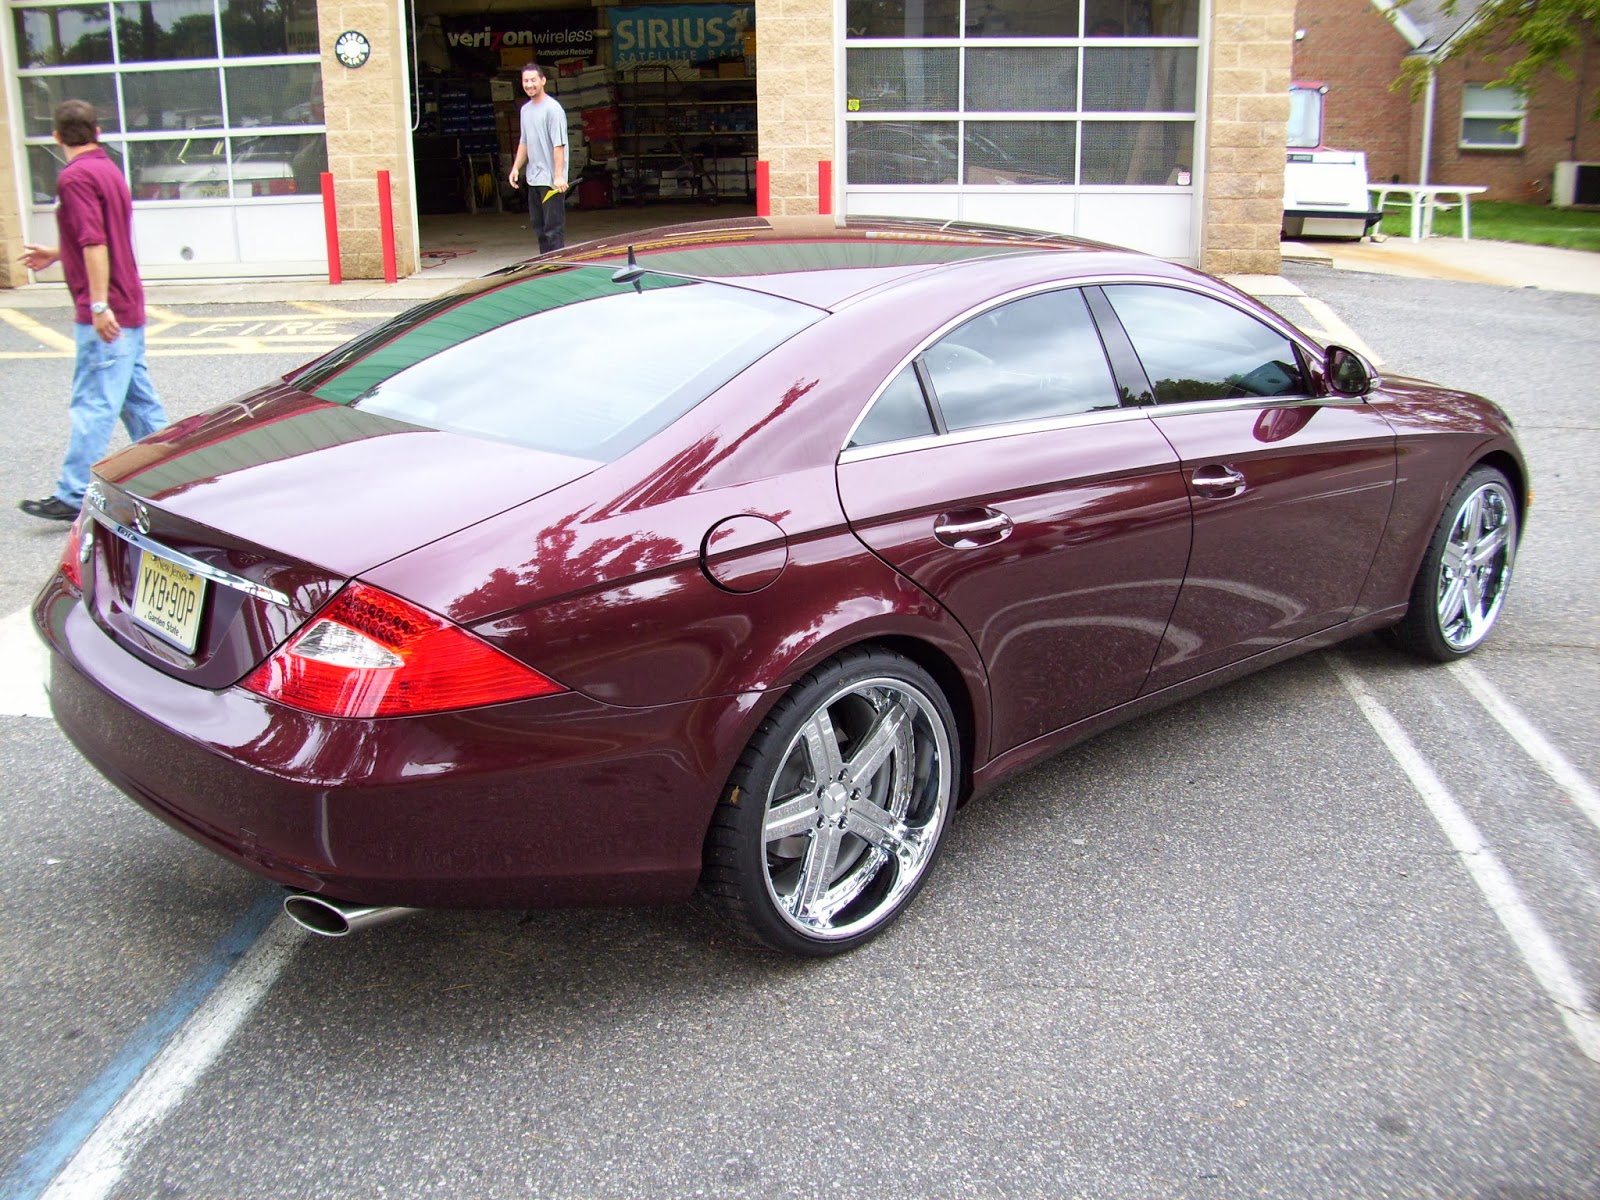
1324, 190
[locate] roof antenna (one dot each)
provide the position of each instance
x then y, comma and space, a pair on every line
631, 273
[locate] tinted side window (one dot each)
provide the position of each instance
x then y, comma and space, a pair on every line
1034, 358
1197, 348
900, 412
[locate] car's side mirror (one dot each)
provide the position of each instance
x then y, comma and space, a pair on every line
1347, 372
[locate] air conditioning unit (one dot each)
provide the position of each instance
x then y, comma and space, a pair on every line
1577, 183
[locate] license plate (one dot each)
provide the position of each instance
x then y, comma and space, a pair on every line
169, 600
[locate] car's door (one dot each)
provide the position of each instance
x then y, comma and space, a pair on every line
1291, 490
1001, 471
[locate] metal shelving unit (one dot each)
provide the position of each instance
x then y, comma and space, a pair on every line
684, 136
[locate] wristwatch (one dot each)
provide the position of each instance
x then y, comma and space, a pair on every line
98, 307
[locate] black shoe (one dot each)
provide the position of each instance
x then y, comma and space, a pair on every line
50, 508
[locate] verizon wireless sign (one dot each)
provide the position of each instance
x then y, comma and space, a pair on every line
481, 40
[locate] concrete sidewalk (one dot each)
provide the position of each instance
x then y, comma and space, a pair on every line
1507, 264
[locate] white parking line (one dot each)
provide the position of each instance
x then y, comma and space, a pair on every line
24, 667
98, 1166
1584, 796
1537, 948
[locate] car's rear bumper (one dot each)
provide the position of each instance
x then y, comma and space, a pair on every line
561, 800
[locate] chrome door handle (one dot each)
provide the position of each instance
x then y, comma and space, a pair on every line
1218, 481
974, 527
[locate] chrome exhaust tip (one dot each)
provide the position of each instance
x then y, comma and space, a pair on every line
334, 918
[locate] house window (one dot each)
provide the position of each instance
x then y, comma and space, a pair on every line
1492, 117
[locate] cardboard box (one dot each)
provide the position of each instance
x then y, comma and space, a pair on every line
730, 70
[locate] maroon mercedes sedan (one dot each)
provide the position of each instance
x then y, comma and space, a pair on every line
737, 558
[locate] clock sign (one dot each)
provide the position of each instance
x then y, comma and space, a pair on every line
352, 49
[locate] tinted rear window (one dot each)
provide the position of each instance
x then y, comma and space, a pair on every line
565, 361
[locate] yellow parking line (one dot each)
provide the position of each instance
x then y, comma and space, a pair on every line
23, 323
324, 310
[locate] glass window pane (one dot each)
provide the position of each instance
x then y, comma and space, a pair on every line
901, 18
901, 412
288, 94
1479, 100
900, 152
281, 165
1020, 151
666, 348
1022, 18
1495, 131
58, 37
161, 30
41, 94
180, 169
1032, 359
1141, 18
1139, 153
901, 80
1137, 79
44, 167
172, 99
1021, 80
1197, 348
263, 27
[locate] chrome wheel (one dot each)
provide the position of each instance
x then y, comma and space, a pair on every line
857, 807
1466, 571
837, 809
1475, 567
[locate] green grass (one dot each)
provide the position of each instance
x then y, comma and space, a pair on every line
1495, 220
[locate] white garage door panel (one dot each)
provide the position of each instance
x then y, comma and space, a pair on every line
941, 206
183, 238
1023, 208
1160, 224
290, 237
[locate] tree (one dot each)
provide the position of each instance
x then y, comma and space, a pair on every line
1542, 33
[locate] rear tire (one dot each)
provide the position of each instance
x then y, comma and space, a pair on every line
1466, 572
837, 809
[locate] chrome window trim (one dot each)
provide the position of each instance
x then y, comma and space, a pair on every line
215, 574
987, 433
1279, 324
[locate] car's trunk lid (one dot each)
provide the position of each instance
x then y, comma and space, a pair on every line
214, 541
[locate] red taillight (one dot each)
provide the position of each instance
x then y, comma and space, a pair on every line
72, 555
370, 654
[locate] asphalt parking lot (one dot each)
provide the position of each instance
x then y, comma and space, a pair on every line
1331, 931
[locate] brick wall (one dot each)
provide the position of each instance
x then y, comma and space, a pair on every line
1245, 134
795, 98
368, 128
1351, 47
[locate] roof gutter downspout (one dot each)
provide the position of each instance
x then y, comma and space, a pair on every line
1428, 97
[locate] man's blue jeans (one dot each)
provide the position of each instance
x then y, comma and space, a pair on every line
109, 382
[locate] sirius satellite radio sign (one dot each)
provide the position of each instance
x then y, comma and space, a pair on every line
680, 33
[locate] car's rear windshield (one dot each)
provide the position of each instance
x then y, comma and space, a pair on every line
566, 360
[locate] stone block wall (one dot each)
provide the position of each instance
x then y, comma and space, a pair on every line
12, 191
368, 131
795, 98
1246, 129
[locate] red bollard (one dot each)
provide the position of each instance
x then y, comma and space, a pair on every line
386, 227
825, 187
330, 222
763, 188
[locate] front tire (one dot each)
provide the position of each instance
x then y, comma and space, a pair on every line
837, 809
1466, 572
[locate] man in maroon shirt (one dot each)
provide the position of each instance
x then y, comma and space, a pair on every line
94, 220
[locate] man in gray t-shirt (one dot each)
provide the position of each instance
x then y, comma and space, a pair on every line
543, 150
